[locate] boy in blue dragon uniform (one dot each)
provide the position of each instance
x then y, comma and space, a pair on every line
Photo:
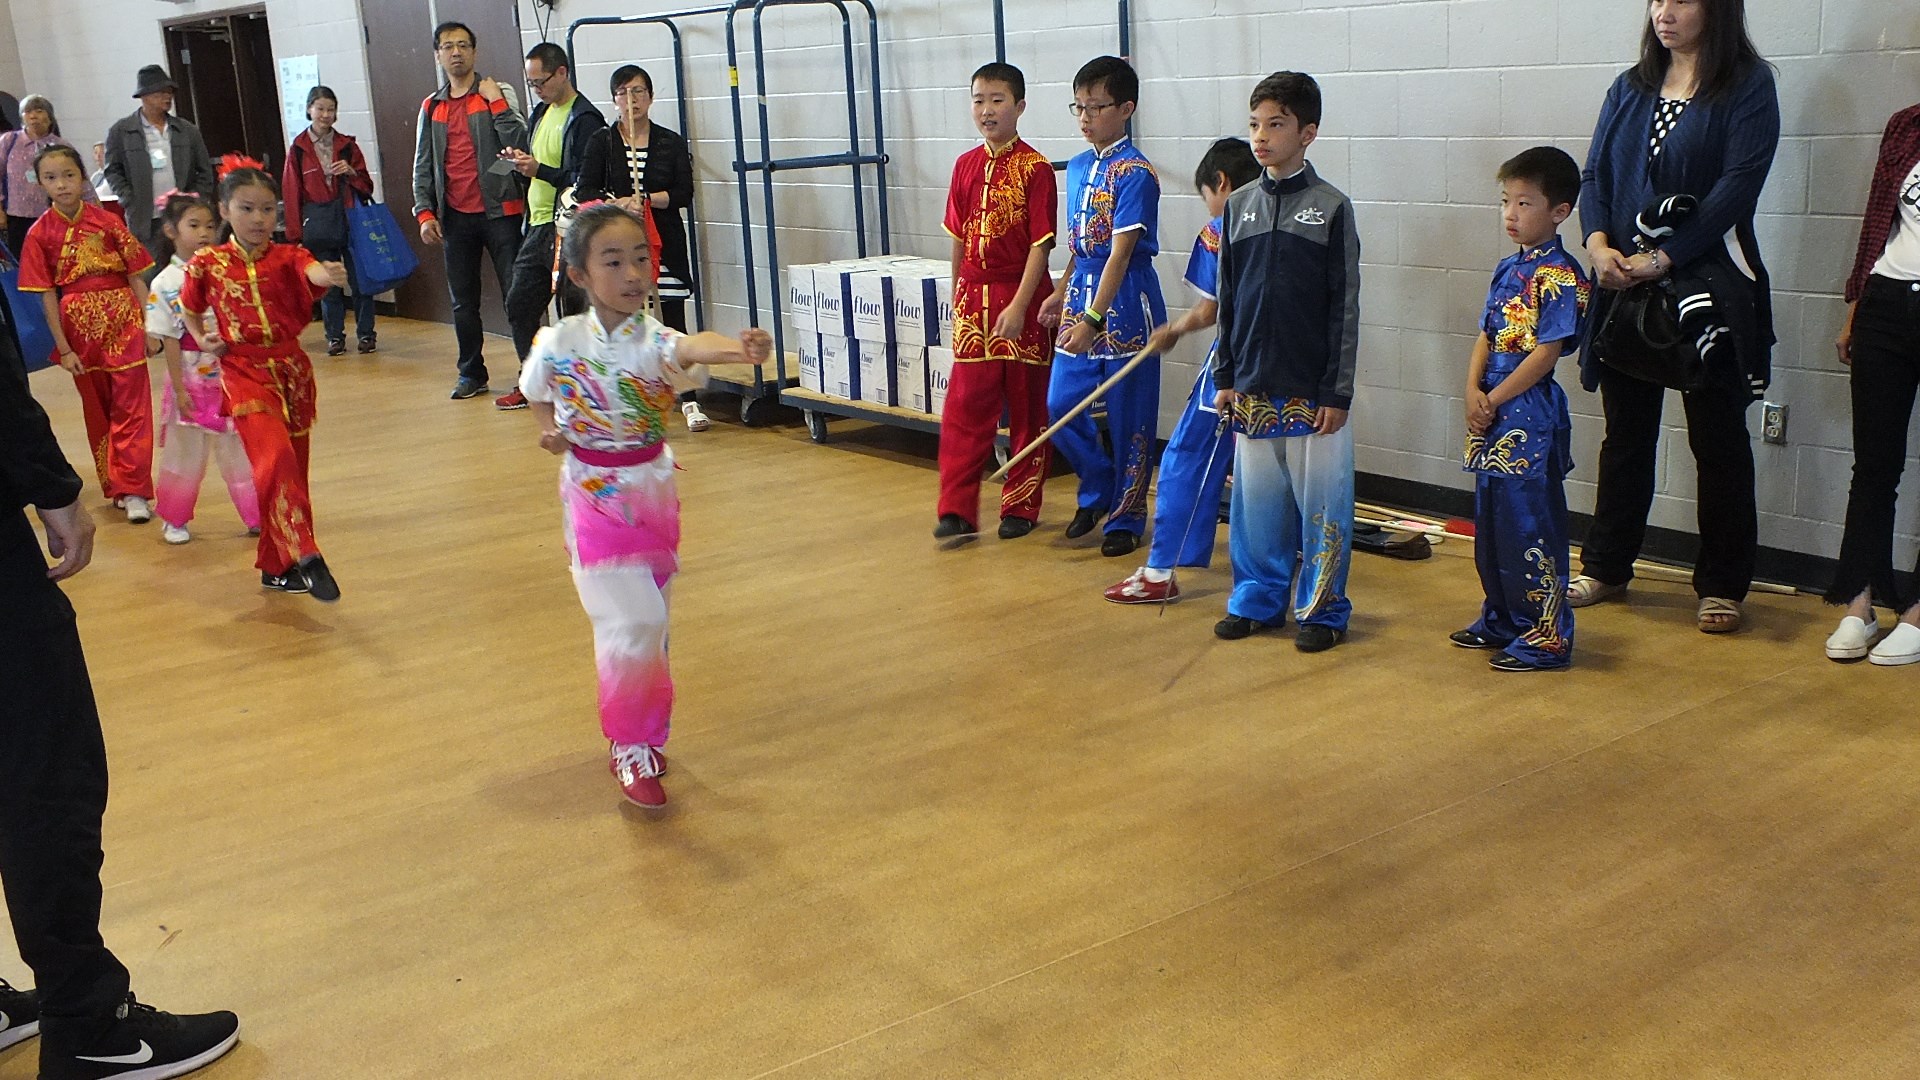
1105, 305
1517, 422
1193, 470
1289, 295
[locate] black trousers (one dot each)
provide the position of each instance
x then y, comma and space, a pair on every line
53, 787
467, 237
532, 288
1729, 521
17, 233
1886, 372
674, 314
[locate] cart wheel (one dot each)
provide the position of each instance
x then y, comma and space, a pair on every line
756, 410
1000, 455
816, 424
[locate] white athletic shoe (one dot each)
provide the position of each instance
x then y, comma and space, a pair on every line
1898, 648
174, 534
139, 511
696, 420
1853, 638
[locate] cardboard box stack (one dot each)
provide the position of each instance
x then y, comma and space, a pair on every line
873, 330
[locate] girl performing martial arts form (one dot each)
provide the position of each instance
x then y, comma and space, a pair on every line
261, 296
193, 427
602, 384
86, 267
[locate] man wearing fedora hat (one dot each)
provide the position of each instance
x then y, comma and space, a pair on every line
153, 152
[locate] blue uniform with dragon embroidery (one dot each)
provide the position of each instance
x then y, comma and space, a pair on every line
1539, 296
1193, 469
1111, 192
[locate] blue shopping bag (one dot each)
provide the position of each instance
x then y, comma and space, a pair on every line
28, 320
380, 256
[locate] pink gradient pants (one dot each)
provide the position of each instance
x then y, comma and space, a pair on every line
191, 435
623, 531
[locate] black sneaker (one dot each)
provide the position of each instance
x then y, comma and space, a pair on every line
139, 1043
319, 579
469, 388
1119, 542
1084, 519
1511, 663
1235, 627
293, 581
1013, 528
1318, 638
953, 525
369, 342
1467, 639
336, 346
19, 1015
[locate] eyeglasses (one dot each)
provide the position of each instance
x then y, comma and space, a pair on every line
1078, 109
541, 83
454, 46
632, 91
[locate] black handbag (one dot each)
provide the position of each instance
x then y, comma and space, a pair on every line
1640, 336
323, 225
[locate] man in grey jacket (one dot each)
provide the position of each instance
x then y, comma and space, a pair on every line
151, 153
465, 194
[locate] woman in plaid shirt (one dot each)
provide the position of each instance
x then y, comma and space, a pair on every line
1881, 343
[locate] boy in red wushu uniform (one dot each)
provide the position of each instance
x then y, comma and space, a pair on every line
1000, 213
261, 296
86, 267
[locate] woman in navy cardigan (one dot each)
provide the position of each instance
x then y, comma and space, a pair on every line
1697, 115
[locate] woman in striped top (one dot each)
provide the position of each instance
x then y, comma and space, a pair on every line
637, 163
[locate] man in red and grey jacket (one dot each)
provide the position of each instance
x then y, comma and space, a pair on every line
463, 193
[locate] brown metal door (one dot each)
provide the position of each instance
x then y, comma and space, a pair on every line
400, 60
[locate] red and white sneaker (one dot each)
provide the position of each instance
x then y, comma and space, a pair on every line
638, 768
511, 400
1137, 589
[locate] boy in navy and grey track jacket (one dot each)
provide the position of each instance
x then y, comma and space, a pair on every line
1289, 337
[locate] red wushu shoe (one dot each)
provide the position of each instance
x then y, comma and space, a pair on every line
1138, 589
638, 768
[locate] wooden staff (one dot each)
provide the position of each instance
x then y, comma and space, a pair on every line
1086, 403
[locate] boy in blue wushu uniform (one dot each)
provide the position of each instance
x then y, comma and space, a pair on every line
1517, 422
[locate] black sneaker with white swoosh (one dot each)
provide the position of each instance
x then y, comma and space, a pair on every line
138, 1043
19, 1015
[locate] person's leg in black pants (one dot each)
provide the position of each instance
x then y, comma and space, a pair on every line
17, 233
1729, 520
464, 237
531, 288
1625, 496
1886, 374
53, 788
674, 314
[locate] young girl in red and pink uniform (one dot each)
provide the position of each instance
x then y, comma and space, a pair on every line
193, 426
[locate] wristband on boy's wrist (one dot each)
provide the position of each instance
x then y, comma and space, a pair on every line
1098, 320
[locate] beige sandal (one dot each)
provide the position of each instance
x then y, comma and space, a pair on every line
1718, 616
1584, 591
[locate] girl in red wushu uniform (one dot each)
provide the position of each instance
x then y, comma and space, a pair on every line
86, 266
261, 296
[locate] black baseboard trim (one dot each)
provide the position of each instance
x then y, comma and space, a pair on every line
1809, 573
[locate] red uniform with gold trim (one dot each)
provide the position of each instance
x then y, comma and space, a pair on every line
1000, 206
260, 304
88, 258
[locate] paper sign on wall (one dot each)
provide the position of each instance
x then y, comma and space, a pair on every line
298, 75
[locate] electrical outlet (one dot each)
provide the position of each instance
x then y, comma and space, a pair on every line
1773, 422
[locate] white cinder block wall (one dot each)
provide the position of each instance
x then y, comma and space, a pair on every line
84, 56
1423, 99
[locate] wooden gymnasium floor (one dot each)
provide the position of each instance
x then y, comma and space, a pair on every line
948, 814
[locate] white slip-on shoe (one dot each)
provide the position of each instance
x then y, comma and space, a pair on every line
1898, 648
174, 534
1853, 638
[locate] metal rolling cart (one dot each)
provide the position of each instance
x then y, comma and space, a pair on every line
857, 158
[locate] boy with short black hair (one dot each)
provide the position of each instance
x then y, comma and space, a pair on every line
1193, 469
1518, 424
1105, 305
1000, 213
1289, 337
